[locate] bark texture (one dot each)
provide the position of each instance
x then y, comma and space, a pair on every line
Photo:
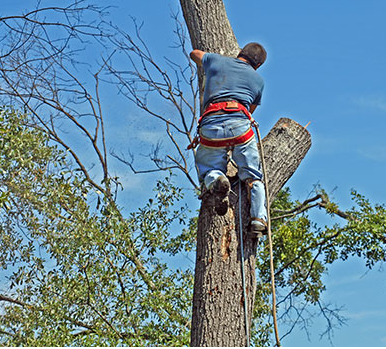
209, 27
218, 306
218, 303
285, 146
209, 30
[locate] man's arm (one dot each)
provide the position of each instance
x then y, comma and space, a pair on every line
196, 56
252, 108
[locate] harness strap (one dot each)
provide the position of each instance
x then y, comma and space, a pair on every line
230, 107
227, 142
227, 107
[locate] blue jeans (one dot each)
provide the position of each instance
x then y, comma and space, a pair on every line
212, 162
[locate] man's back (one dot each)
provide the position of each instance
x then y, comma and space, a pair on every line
231, 79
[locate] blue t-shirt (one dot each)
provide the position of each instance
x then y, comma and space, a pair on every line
230, 78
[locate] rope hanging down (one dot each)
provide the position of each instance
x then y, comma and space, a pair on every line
242, 269
270, 249
269, 236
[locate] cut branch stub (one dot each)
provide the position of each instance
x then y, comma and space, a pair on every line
285, 146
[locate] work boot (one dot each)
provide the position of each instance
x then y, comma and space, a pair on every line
258, 227
220, 189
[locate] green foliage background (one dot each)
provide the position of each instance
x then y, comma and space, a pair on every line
76, 272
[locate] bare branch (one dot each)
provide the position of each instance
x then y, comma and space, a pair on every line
298, 209
299, 318
136, 171
329, 315
12, 300
305, 206
306, 249
29, 306
300, 283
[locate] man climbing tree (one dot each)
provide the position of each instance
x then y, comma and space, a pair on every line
219, 306
233, 90
79, 269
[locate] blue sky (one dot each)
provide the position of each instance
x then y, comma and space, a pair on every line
326, 65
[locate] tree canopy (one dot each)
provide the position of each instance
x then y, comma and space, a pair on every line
78, 273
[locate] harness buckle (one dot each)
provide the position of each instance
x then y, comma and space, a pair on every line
254, 123
194, 144
232, 105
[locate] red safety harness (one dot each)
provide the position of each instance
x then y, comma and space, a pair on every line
226, 107
227, 142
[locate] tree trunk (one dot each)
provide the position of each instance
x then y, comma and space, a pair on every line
218, 305
209, 30
209, 27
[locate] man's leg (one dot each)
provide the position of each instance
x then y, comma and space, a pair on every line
211, 164
247, 159
258, 211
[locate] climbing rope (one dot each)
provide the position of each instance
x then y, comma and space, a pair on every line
272, 268
269, 236
242, 269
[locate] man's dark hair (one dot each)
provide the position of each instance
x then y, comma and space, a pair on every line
254, 53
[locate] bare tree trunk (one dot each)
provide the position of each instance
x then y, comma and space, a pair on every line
209, 30
209, 27
218, 310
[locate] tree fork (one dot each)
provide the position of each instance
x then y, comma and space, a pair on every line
218, 313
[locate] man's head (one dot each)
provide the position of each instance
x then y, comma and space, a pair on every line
254, 53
